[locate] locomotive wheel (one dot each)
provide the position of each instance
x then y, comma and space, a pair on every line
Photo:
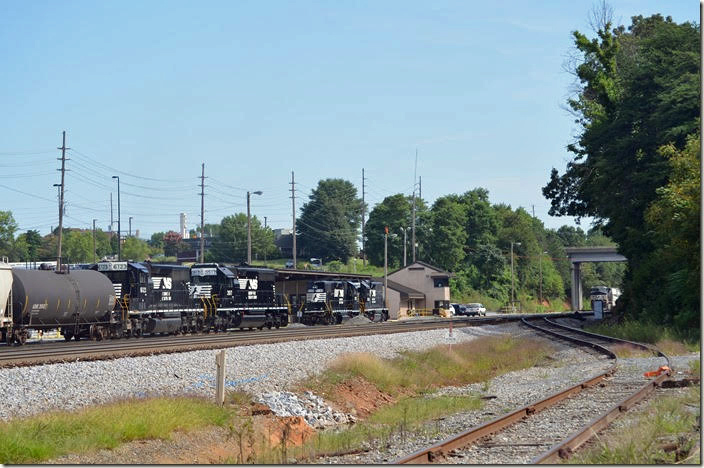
21, 338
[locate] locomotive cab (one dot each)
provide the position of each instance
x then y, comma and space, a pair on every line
212, 281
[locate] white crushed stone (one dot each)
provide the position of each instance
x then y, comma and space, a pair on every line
257, 369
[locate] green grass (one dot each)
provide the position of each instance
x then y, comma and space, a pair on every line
51, 435
421, 371
667, 339
665, 420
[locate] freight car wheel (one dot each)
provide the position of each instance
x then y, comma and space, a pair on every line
68, 336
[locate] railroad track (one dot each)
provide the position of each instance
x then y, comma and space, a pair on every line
529, 432
57, 351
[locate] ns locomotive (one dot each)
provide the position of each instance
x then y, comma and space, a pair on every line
123, 299
332, 301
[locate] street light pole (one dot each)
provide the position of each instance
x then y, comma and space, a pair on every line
512, 290
249, 228
94, 240
541, 276
119, 240
130, 235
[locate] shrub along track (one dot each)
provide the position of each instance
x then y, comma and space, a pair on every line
535, 433
51, 352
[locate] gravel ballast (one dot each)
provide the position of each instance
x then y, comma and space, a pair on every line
258, 369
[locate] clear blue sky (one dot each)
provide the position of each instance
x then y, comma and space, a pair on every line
257, 89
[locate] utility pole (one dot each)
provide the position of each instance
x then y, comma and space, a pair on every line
94, 240
119, 220
364, 209
405, 230
61, 199
512, 295
540, 266
293, 208
202, 212
249, 228
420, 187
413, 212
533, 210
130, 227
111, 220
386, 265
265, 247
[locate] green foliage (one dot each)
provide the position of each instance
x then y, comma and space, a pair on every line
330, 221
395, 212
136, 249
8, 226
230, 241
40, 438
447, 236
639, 91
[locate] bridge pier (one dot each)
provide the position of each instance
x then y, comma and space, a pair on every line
578, 255
576, 292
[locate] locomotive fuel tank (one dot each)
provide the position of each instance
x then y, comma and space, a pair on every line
45, 298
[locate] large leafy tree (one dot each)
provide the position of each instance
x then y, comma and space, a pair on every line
8, 227
329, 224
395, 212
448, 235
639, 90
230, 242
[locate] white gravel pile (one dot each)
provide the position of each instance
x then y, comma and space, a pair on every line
257, 369
310, 406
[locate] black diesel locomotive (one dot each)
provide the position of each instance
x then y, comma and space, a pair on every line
159, 298
330, 302
132, 299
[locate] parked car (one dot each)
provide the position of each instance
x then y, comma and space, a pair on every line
475, 308
289, 264
316, 264
458, 309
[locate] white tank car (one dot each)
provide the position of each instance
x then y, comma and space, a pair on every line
5, 290
5, 299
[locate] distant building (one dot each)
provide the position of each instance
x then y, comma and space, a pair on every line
283, 239
418, 286
183, 226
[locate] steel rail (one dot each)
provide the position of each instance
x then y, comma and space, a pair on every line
50, 352
434, 452
647, 347
564, 449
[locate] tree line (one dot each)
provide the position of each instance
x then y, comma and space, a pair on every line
636, 160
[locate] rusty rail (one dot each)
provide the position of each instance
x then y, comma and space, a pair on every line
562, 449
434, 452
567, 447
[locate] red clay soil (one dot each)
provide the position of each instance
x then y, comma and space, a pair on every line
359, 397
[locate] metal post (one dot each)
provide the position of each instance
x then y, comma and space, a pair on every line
249, 228
130, 229
249, 234
119, 235
220, 378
